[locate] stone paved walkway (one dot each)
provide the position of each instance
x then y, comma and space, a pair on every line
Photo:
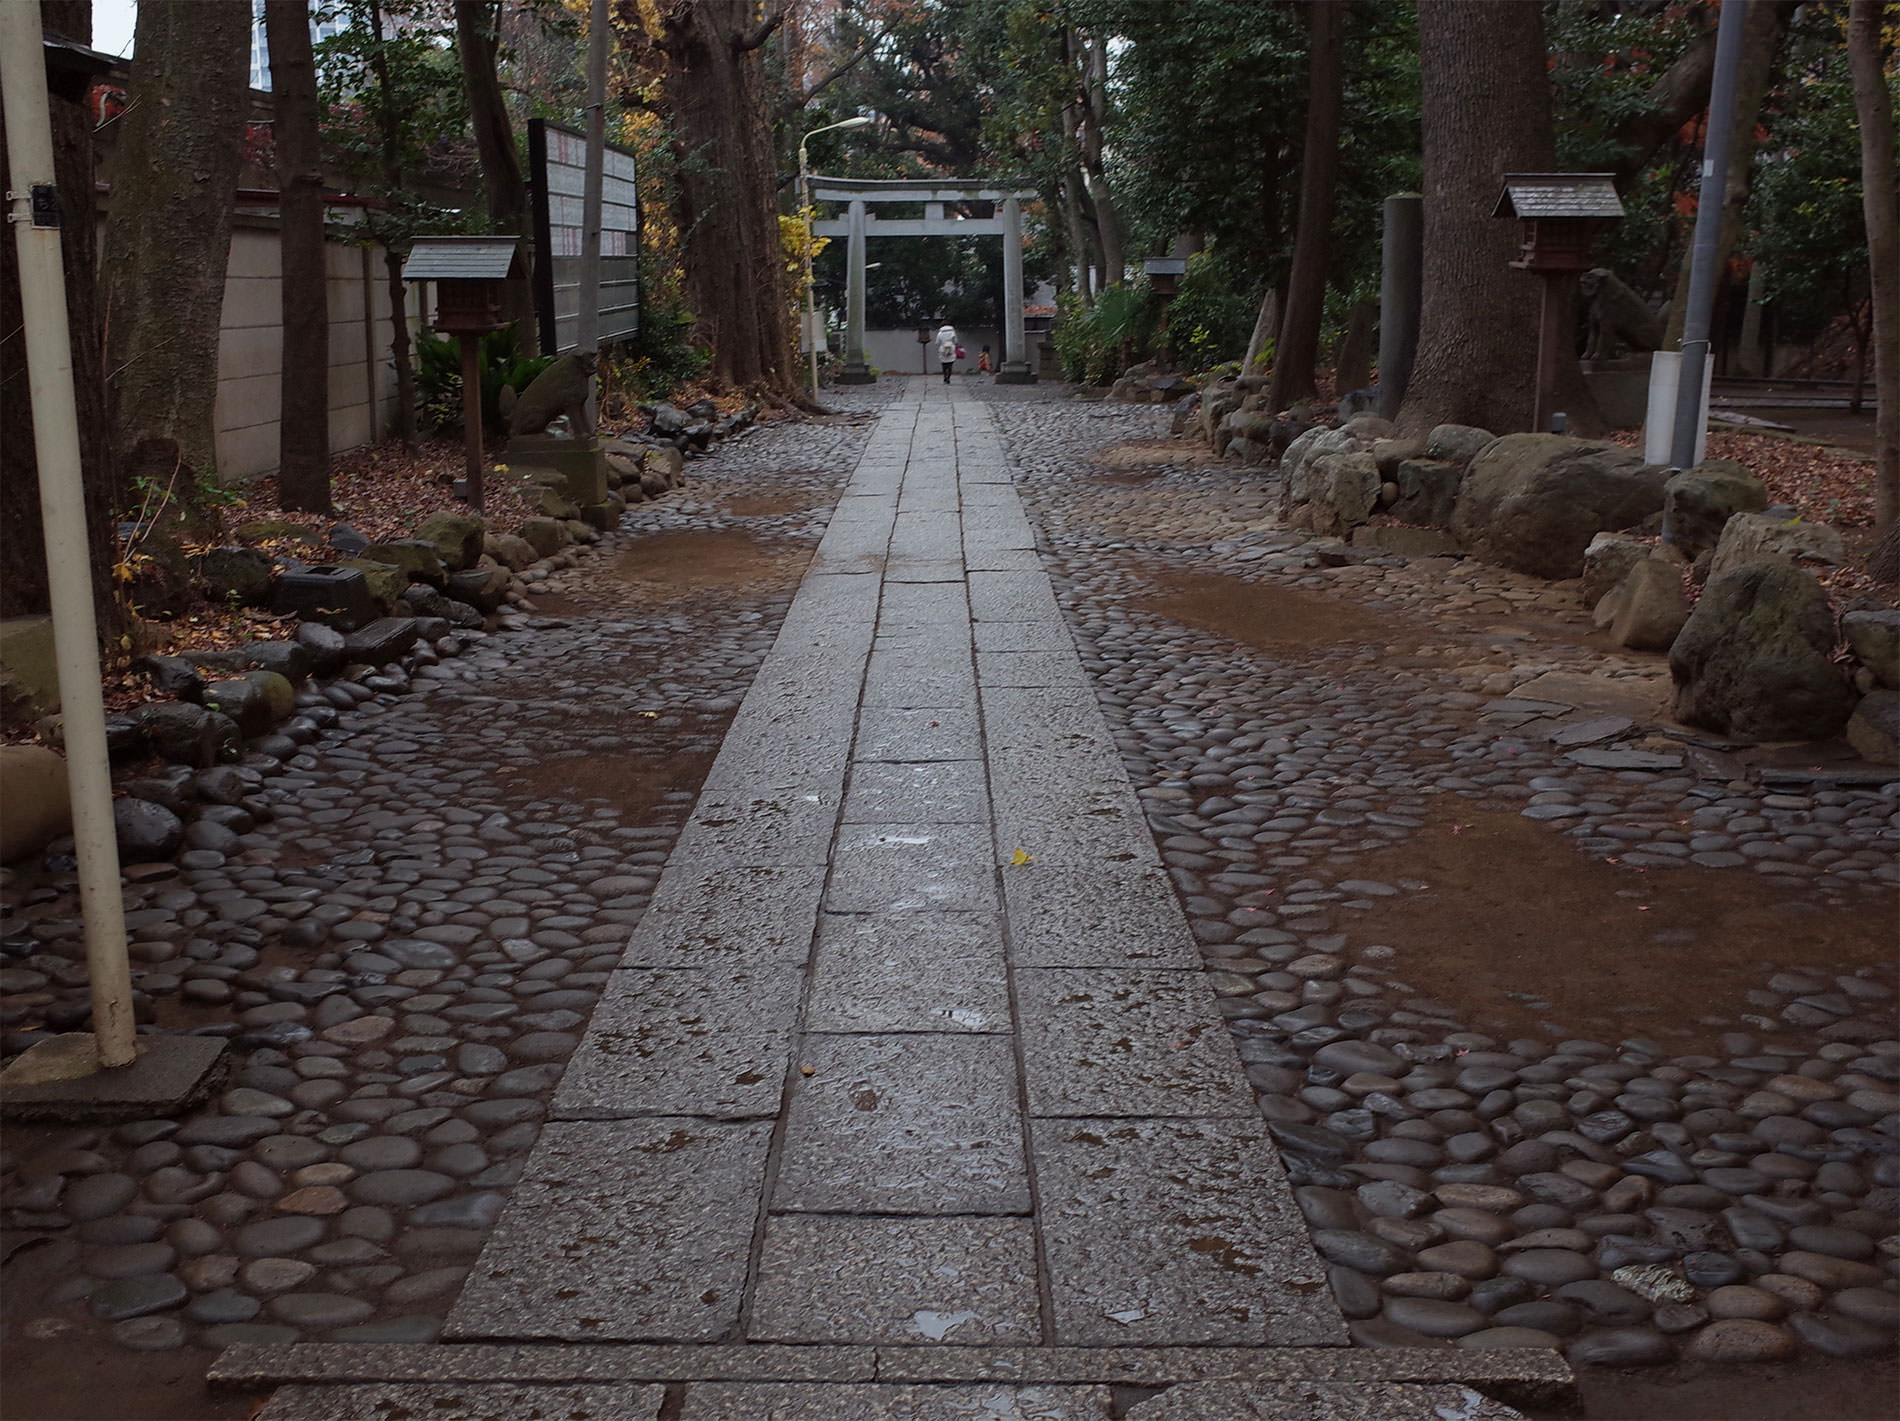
909, 1096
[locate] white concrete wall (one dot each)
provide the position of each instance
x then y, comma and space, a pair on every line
250, 349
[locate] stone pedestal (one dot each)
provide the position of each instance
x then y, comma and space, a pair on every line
581, 463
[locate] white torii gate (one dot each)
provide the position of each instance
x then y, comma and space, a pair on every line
859, 225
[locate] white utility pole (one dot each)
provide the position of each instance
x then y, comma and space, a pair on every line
33, 212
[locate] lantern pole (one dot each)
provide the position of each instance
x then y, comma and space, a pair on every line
471, 342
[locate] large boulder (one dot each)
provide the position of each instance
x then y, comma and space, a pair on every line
239, 575
1753, 660
1533, 502
1749, 536
34, 806
1874, 638
384, 581
547, 536
457, 538
1296, 464
1699, 502
1216, 405
147, 832
415, 556
1344, 491
1607, 561
1651, 607
183, 734
1428, 491
511, 551
256, 701
1874, 728
483, 588
1456, 443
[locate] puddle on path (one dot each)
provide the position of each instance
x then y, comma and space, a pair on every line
1262, 614
1513, 911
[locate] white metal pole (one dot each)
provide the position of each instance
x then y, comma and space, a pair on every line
810, 219
33, 211
1708, 226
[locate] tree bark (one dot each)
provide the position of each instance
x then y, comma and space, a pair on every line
1485, 112
23, 590
1296, 354
728, 228
1264, 326
1873, 105
1093, 109
168, 236
477, 41
1761, 39
392, 259
303, 428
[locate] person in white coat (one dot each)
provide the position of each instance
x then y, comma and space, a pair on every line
947, 348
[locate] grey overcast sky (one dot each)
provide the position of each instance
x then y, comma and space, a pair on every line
112, 22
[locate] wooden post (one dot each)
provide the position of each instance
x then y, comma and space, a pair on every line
472, 417
1551, 327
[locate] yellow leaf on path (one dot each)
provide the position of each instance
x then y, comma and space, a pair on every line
1019, 858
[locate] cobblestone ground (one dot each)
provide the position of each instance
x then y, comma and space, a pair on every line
1566, 1039
402, 939
1592, 1049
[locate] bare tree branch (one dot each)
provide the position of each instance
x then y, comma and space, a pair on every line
761, 32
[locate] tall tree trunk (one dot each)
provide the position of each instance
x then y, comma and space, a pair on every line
303, 429
1873, 105
23, 590
1296, 354
388, 123
1094, 114
1485, 112
1761, 40
735, 275
1264, 326
1078, 239
168, 236
477, 43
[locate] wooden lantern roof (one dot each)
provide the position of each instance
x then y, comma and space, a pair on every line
1543, 196
463, 259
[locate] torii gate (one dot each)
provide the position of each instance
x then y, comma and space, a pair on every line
860, 225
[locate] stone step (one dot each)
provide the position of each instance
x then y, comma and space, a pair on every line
343, 1382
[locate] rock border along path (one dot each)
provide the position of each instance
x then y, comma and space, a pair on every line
909, 1096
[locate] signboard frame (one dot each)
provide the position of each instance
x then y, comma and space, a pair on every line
556, 174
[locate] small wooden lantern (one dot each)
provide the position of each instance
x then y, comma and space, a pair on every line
1562, 214
468, 273
1164, 274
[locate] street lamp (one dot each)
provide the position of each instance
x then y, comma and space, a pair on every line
805, 211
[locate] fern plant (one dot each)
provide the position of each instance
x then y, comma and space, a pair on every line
439, 377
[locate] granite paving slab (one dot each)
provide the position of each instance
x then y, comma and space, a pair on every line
928, 792
792, 824
711, 1043
507, 1401
882, 868
904, 1124
912, 679
630, 1230
1045, 670
1125, 1042
961, 1281
1317, 1401
1013, 597
725, 913
1109, 914
1175, 1233
909, 972
914, 734
756, 1401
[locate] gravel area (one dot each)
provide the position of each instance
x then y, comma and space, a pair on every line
402, 931
1517, 1113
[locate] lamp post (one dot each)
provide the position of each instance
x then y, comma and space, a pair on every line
805, 209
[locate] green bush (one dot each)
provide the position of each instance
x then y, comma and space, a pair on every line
439, 377
1097, 343
659, 358
1210, 320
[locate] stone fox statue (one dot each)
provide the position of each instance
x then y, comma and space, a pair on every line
1614, 313
561, 389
